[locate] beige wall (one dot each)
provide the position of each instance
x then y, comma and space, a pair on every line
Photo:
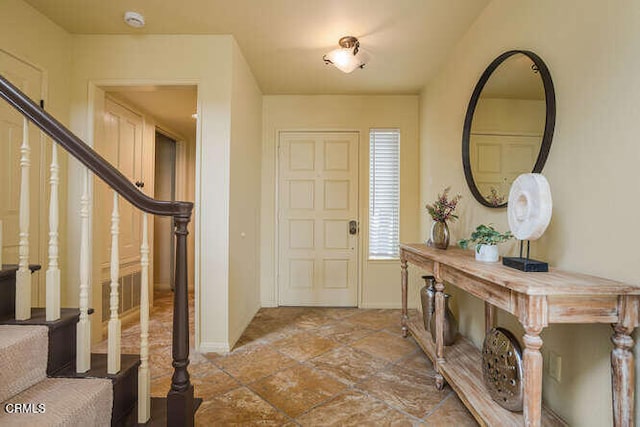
591, 50
379, 279
32, 38
244, 193
206, 62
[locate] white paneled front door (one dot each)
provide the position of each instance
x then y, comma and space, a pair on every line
317, 199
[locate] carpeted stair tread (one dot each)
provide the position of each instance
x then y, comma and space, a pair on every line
23, 358
63, 402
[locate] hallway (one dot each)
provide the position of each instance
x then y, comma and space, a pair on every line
309, 367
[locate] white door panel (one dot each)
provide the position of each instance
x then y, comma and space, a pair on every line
317, 197
29, 80
488, 160
122, 146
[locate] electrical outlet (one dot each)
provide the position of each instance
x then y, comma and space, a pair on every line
555, 366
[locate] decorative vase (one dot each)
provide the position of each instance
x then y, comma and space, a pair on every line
427, 298
487, 253
450, 324
439, 236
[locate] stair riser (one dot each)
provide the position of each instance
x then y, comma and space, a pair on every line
7, 297
125, 397
8, 289
62, 347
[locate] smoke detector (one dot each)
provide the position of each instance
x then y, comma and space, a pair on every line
134, 19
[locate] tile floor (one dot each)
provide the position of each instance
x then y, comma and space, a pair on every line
308, 367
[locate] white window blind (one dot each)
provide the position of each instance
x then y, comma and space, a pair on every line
384, 193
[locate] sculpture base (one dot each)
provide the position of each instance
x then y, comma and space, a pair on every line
526, 264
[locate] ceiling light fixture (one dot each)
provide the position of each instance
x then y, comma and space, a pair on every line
134, 19
348, 57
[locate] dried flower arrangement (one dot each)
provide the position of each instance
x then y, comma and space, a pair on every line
495, 198
442, 209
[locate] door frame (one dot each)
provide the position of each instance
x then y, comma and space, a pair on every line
276, 249
93, 87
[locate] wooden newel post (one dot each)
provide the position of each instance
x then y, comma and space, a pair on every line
180, 403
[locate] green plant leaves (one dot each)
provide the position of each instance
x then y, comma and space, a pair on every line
485, 235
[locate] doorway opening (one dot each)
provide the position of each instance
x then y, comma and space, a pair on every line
149, 134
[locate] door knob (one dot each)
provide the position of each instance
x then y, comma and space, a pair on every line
353, 227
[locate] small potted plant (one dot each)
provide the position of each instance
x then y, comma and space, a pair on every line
442, 210
486, 238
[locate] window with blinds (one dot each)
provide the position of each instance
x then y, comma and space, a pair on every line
384, 193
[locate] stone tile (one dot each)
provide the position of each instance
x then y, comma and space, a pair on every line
239, 407
348, 365
405, 390
160, 385
419, 362
297, 389
386, 345
377, 319
160, 364
311, 319
343, 332
451, 413
304, 345
340, 348
253, 364
265, 331
214, 383
337, 313
355, 409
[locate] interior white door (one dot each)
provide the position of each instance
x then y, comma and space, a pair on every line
317, 199
29, 80
122, 146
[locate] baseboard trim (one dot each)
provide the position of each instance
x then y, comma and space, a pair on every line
213, 347
380, 305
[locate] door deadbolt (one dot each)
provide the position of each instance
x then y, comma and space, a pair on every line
353, 227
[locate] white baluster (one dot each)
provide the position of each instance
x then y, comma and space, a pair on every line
53, 272
83, 327
113, 354
23, 276
144, 376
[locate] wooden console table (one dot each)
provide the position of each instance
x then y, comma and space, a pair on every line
536, 299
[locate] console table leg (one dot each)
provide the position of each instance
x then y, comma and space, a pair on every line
489, 317
622, 377
404, 285
622, 363
439, 330
532, 360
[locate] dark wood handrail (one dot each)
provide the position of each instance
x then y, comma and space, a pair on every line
180, 400
88, 156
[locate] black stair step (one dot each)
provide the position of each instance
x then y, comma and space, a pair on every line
62, 336
8, 289
125, 382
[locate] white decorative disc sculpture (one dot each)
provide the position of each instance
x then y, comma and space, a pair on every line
529, 208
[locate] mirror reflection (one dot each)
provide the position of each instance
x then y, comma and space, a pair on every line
507, 128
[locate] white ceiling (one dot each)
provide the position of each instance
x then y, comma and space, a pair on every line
284, 40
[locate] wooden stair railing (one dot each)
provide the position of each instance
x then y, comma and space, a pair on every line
180, 400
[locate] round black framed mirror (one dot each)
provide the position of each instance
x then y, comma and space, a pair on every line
508, 126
